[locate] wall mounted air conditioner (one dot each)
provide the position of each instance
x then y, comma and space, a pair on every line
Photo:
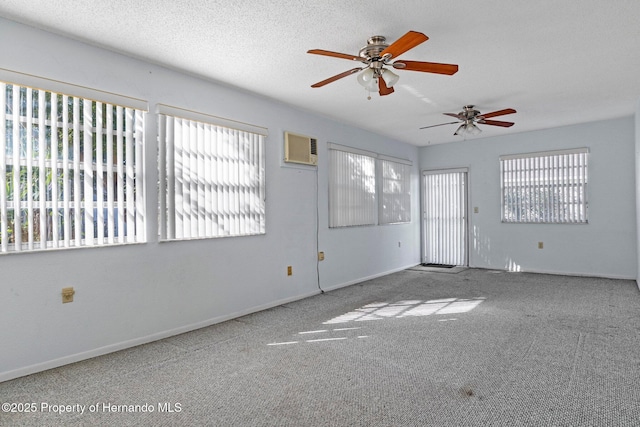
300, 149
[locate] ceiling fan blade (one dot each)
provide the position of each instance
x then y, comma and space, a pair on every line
426, 67
496, 123
441, 124
457, 116
403, 44
336, 77
382, 87
335, 54
498, 113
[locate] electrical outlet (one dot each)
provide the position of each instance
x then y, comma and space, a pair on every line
289, 270
67, 295
476, 209
320, 256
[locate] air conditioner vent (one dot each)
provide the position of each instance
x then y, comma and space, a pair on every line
300, 149
314, 146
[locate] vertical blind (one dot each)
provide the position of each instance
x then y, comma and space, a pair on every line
70, 171
366, 188
549, 187
212, 180
445, 208
396, 192
352, 189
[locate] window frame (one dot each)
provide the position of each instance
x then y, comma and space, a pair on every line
370, 212
548, 187
387, 214
202, 155
352, 202
67, 222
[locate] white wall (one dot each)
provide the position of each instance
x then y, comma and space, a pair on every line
606, 246
637, 164
128, 295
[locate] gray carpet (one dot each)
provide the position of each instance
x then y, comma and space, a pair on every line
416, 348
432, 269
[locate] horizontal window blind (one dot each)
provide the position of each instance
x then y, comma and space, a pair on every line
212, 179
70, 171
548, 187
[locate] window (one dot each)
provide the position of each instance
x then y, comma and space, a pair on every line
212, 179
357, 177
70, 169
352, 188
549, 187
395, 205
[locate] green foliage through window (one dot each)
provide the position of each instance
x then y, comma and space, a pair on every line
71, 170
545, 187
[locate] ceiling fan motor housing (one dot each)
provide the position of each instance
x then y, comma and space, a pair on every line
371, 52
469, 113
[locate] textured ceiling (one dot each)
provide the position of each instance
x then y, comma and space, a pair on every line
557, 63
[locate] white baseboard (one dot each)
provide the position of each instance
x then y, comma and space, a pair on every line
563, 273
111, 348
364, 279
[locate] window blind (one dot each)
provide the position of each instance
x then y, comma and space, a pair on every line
352, 188
367, 188
212, 179
70, 170
395, 205
547, 187
445, 211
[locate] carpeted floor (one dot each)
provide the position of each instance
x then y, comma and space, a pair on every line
415, 348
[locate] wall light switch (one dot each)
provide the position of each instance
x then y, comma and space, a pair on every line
476, 209
540, 245
289, 270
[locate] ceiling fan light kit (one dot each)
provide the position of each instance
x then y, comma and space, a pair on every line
468, 127
368, 79
390, 77
371, 80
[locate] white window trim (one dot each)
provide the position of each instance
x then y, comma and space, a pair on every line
183, 113
584, 150
57, 86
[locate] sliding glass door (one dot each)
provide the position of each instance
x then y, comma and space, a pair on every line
445, 217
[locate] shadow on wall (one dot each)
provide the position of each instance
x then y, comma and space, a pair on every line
481, 246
